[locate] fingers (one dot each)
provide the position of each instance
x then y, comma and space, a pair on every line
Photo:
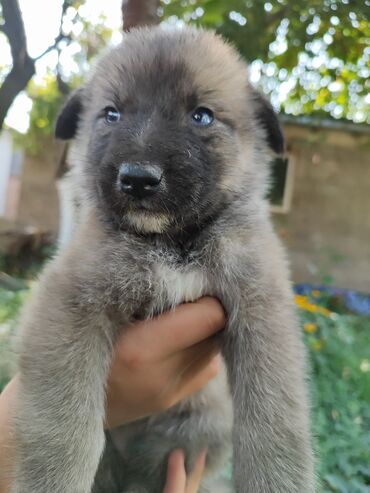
193, 483
173, 331
8, 395
176, 476
7, 436
196, 383
157, 363
191, 379
143, 387
192, 359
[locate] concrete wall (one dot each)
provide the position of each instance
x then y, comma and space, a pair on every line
6, 149
38, 205
327, 230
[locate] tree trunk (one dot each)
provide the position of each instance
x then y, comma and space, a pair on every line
139, 13
14, 83
23, 66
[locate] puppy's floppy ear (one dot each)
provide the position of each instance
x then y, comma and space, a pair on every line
69, 116
268, 119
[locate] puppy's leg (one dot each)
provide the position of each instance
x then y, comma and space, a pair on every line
65, 356
272, 449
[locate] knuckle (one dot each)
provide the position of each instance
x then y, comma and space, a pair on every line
214, 367
131, 359
213, 372
160, 400
167, 401
216, 313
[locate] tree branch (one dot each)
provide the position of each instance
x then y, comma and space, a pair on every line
53, 46
60, 36
23, 65
13, 27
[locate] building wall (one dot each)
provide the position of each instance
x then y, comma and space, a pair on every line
327, 227
38, 205
5, 167
327, 230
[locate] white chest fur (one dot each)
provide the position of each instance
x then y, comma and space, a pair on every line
179, 285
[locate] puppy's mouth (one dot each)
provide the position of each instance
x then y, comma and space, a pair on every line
140, 205
152, 205
143, 189
144, 221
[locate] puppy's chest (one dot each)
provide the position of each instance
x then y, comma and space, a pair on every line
173, 285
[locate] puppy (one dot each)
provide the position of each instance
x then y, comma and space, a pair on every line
170, 152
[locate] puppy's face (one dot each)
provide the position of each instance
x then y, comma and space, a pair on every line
168, 130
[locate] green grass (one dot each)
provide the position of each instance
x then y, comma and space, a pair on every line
10, 303
338, 348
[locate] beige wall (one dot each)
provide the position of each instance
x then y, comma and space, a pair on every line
327, 229
38, 204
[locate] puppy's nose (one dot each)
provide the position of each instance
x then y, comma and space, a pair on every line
138, 180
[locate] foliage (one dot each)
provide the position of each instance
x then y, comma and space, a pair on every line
85, 41
46, 102
24, 264
10, 303
338, 349
315, 54
310, 57
77, 42
340, 366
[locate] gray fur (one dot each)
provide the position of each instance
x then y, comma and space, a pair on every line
119, 266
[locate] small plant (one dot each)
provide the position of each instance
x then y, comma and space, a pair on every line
10, 303
338, 346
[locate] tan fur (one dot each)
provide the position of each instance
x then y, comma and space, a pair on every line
195, 239
148, 223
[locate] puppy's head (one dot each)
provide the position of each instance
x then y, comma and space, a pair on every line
169, 132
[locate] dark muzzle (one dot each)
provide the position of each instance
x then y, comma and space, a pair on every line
139, 180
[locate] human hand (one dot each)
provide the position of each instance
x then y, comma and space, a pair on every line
156, 364
7, 439
177, 482
161, 361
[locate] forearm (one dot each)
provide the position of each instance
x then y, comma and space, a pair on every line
7, 447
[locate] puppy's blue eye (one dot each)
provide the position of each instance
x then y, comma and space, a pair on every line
202, 117
111, 115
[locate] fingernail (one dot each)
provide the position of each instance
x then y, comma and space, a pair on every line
177, 454
203, 455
